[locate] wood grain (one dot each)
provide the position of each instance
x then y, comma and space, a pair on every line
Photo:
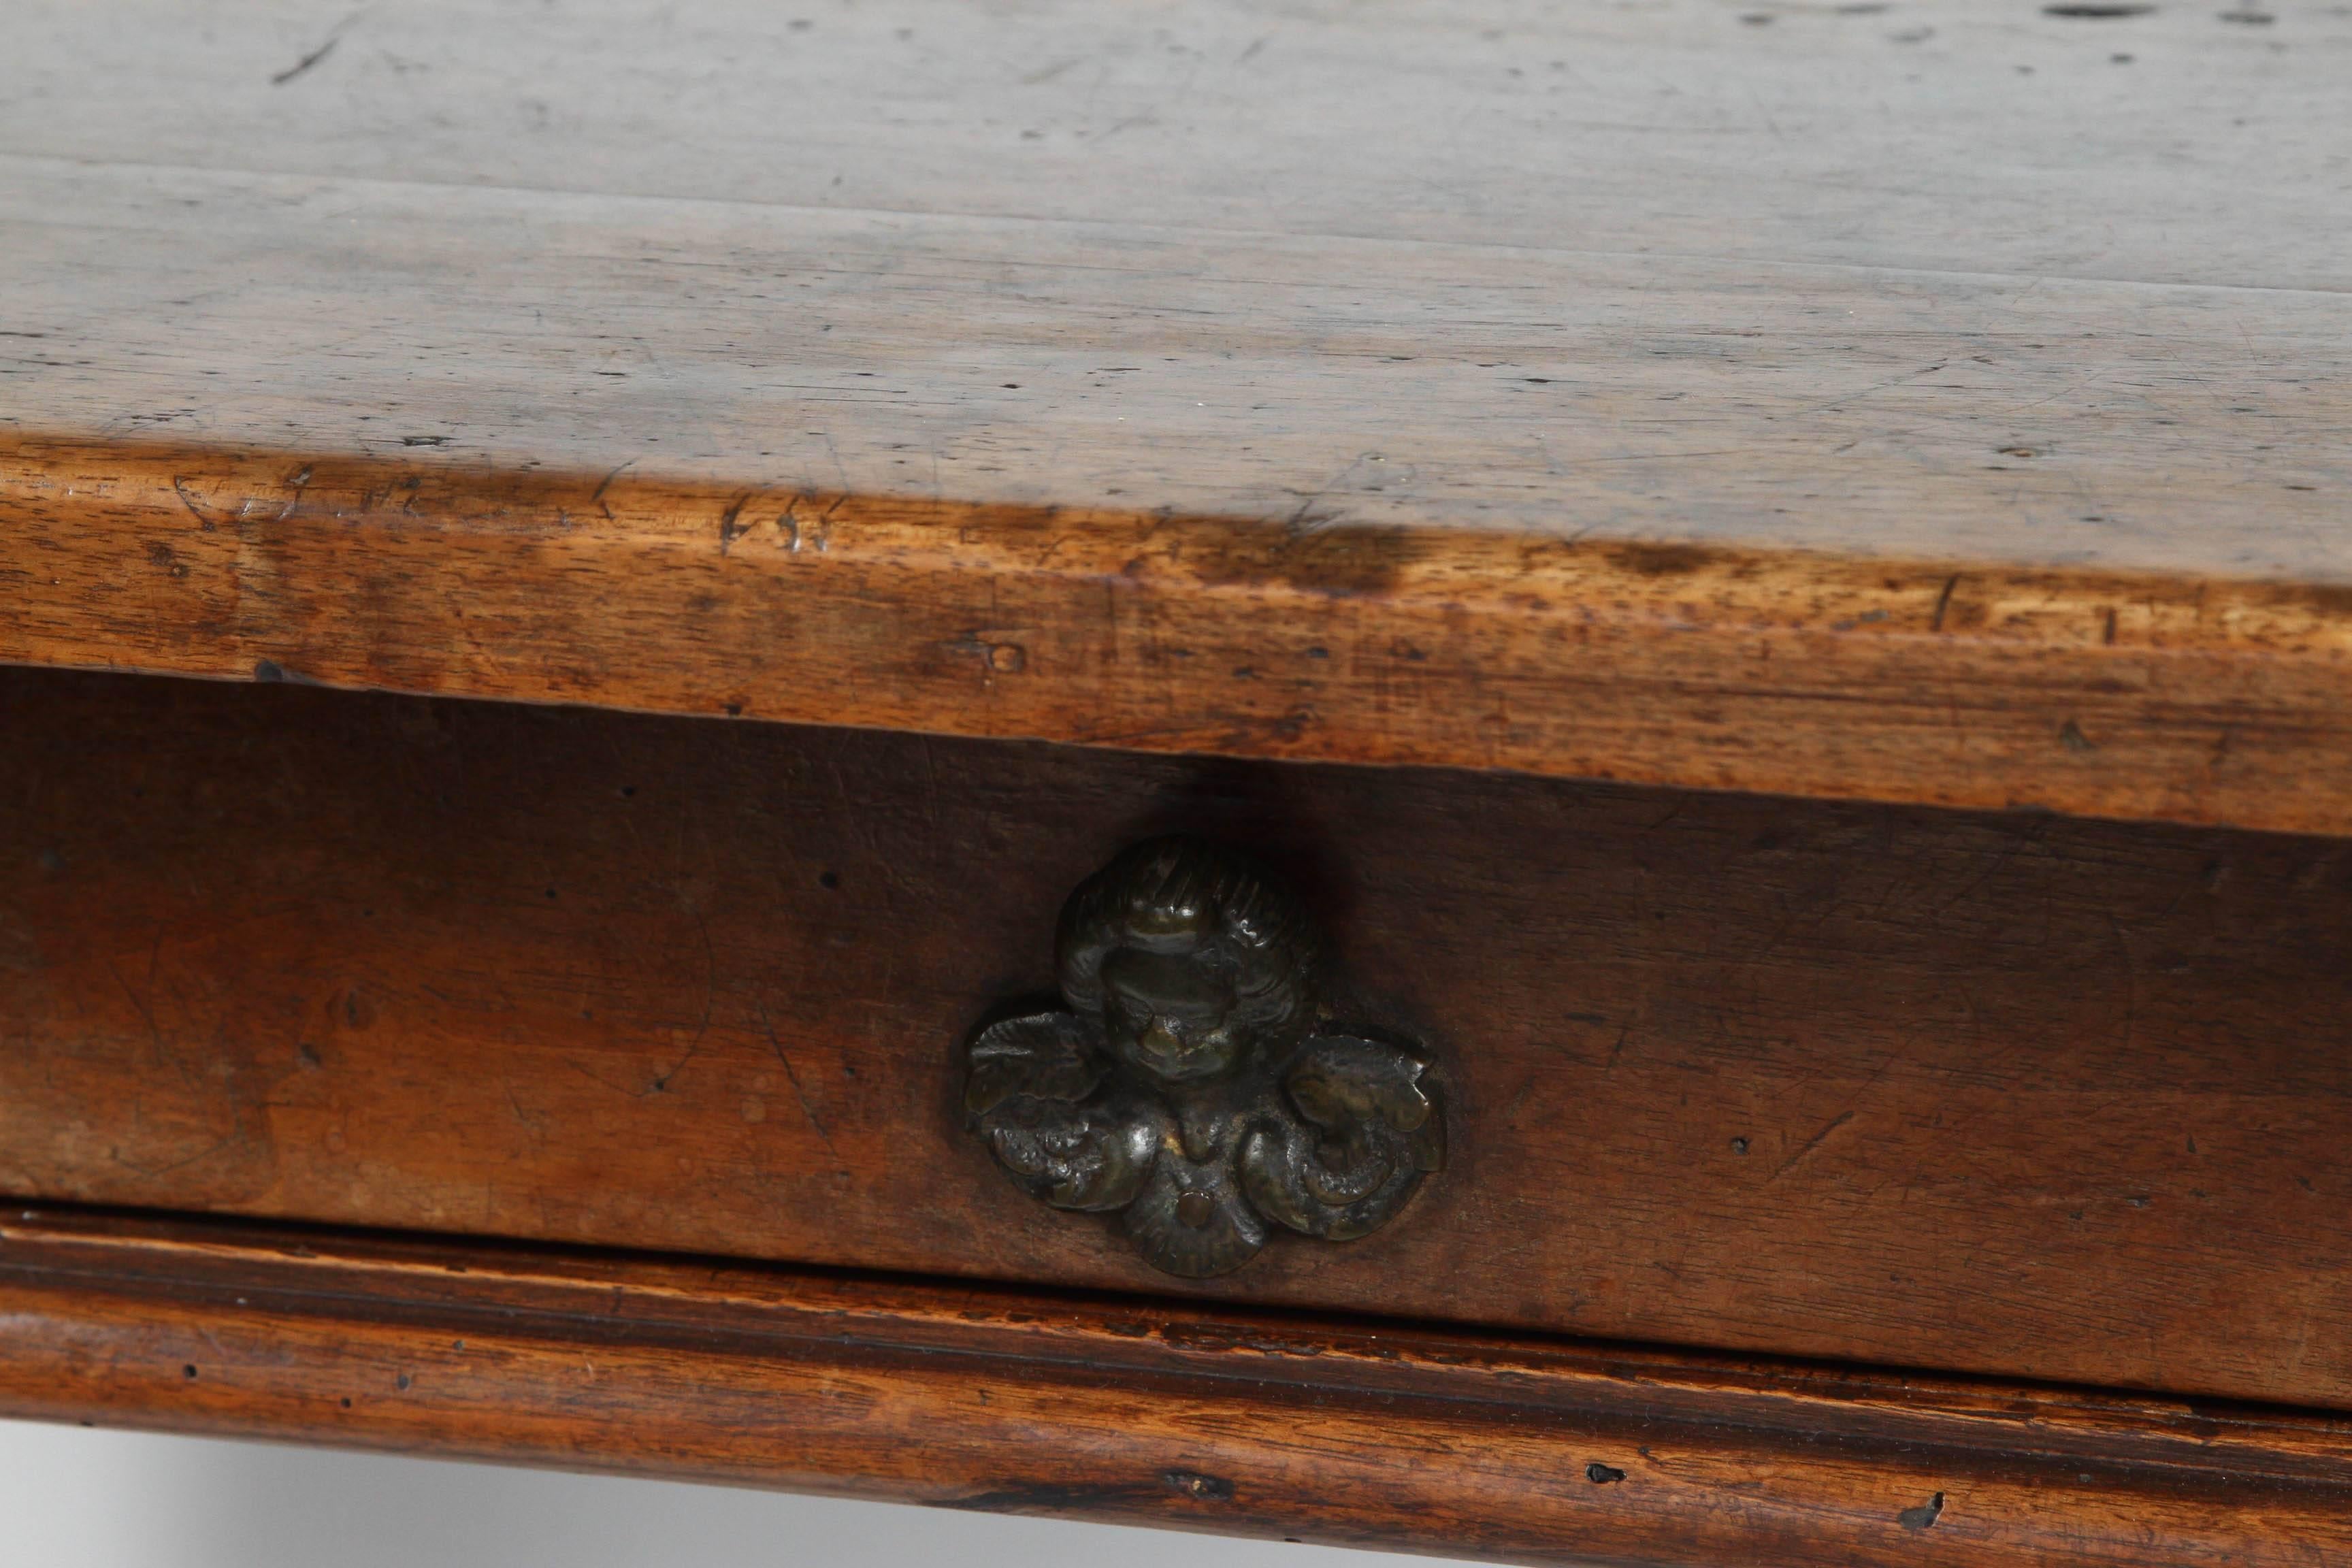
2047, 689
1931, 136
1344, 1433
2020, 1096
1544, 390
1438, 334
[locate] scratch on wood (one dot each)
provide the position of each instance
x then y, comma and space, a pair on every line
709, 997
1944, 602
306, 62
727, 532
793, 1077
1812, 1143
180, 488
597, 495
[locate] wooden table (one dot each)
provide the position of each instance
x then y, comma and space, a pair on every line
1748, 613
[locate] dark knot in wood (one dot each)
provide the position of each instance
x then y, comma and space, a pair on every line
1190, 1084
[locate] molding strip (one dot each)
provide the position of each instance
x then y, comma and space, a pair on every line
965, 1396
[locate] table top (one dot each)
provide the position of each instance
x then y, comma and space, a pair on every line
1824, 304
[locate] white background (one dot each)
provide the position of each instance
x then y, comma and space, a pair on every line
72, 1498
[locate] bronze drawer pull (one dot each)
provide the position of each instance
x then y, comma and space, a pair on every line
1189, 1083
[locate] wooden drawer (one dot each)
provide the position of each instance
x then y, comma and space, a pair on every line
2003, 1094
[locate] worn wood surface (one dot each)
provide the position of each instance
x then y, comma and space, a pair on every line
2015, 1095
1533, 1452
2054, 691
1278, 328
1955, 136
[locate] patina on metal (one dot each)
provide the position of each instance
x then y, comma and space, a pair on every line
1191, 1084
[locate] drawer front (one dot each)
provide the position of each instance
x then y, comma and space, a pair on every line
1996, 1093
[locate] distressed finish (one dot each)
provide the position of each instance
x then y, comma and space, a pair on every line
1942, 403
1775, 577
2010, 1095
2049, 689
1193, 1086
1204, 1419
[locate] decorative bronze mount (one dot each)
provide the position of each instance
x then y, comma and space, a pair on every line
1189, 1084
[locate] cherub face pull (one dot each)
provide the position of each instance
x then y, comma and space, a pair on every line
1189, 1084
